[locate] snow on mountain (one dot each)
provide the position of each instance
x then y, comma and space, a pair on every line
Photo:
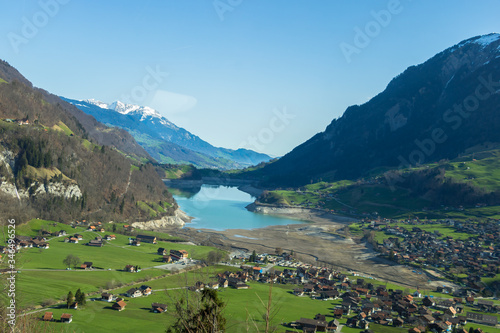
123, 108
487, 39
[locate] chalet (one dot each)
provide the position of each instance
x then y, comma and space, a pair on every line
129, 268
158, 307
66, 318
107, 297
146, 238
48, 316
133, 292
162, 251
485, 305
241, 285
167, 259
213, 285
73, 240
198, 286
145, 290
109, 237
74, 305
78, 236
87, 265
95, 243
482, 318
101, 230
178, 254
223, 283
136, 242
313, 325
61, 233
298, 291
119, 305
91, 228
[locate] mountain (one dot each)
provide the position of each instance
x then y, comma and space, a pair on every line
437, 110
165, 141
58, 163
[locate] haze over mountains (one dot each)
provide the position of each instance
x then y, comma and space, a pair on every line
436, 110
165, 141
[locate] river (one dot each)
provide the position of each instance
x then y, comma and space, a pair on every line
223, 207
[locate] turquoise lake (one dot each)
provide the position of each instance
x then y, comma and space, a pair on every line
223, 207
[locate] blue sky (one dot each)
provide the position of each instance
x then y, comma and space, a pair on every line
260, 74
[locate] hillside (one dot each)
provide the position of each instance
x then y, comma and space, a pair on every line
52, 165
436, 110
467, 187
165, 141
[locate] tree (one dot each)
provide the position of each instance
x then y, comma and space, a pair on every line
205, 318
253, 257
80, 297
71, 260
279, 251
214, 257
70, 299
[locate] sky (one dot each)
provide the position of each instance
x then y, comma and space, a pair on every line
259, 74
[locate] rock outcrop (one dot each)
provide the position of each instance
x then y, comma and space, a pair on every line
178, 219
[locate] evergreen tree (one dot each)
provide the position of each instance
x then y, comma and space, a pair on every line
205, 317
80, 297
70, 299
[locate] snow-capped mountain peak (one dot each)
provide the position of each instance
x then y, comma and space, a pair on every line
124, 108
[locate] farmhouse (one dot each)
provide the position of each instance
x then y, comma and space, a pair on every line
158, 307
120, 305
78, 236
146, 238
66, 318
96, 243
86, 265
178, 254
162, 251
146, 290
129, 268
73, 240
107, 297
482, 318
48, 316
133, 292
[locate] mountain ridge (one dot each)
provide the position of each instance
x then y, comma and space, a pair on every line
164, 140
398, 126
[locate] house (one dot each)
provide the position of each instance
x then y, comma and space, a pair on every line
224, 283
119, 305
485, 305
298, 291
78, 236
482, 318
48, 316
74, 305
146, 238
333, 326
241, 285
109, 237
146, 290
213, 285
87, 265
107, 297
136, 243
178, 254
134, 292
158, 307
162, 251
73, 240
167, 259
62, 233
66, 318
129, 268
312, 325
96, 243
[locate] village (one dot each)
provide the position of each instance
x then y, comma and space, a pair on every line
464, 260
